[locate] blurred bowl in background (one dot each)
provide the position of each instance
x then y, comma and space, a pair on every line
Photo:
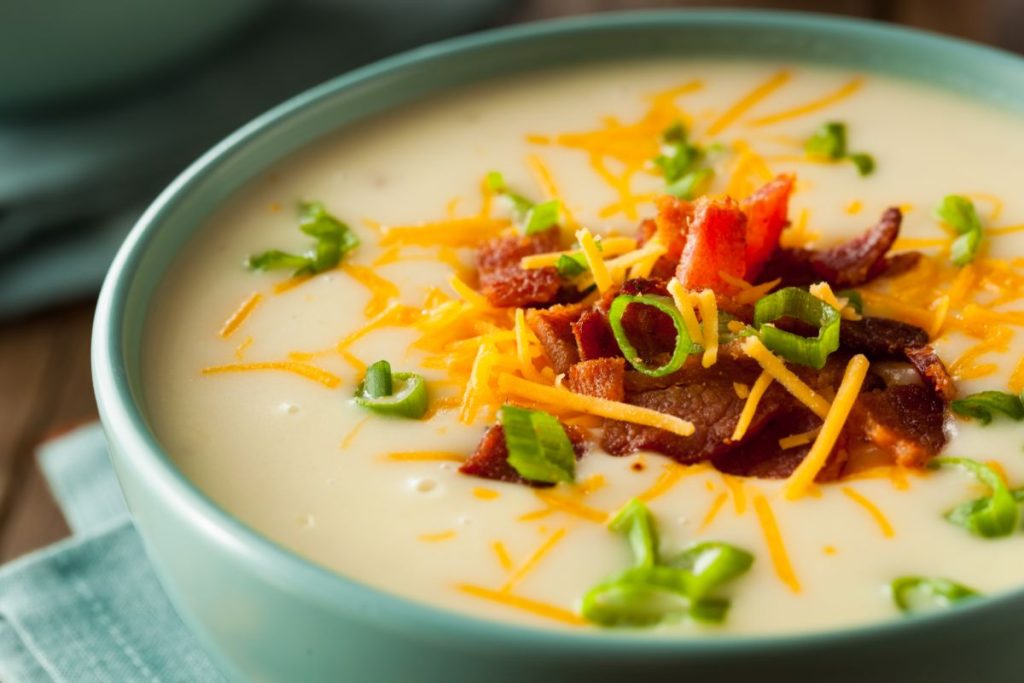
57, 51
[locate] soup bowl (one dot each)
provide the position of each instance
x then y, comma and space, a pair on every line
264, 613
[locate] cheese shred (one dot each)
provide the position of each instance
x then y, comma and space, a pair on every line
598, 269
685, 306
774, 366
709, 326
750, 407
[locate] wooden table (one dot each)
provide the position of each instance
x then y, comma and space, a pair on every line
45, 384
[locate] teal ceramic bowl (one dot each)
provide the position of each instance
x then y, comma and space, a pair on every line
266, 614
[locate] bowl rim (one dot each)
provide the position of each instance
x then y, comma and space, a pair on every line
126, 426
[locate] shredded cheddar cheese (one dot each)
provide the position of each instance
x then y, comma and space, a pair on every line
849, 389
351, 436
382, 291
748, 101
610, 246
811, 107
598, 269
737, 491
613, 410
236, 319
774, 366
468, 294
709, 326
504, 559
776, 547
716, 507
801, 439
530, 563
572, 507
312, 372
535, 607
823, 291
242, 348
669, 477
753, 398
425, 456
457, 232
742, 390
872, 509
684, 303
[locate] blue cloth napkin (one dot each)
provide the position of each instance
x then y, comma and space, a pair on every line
89, 609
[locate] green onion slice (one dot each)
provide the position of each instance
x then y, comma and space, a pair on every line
679, 161
636, 521
684, 345
334, 239
865, 163
709, 565
691, 185
406, 392
828, 142
796, 303
628, 600
919, 594
853, 299
991, 517
531, 217
541, 217
571, 265
958, 213
985, 404
538, 447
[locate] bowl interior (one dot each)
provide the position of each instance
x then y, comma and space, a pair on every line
974, 71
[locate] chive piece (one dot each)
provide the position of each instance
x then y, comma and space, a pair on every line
679, 161
569, 266
538, 447
985, 404
334, 239
407, 398
684, 345
959, 213
709, 565
653, 592
865, 163
853, 299
828, 142
530, 217
992, 517
635, 520
919, 594
377, 382
792, 302
541, 216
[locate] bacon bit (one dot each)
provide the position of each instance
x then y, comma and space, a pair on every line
828, 100
876, 514
776, 547
748, 101
533, 560
303, 370
381, 291
504, 559
714, 244
767, 215
485, 494
670, 476
537, 608
438, 537
242, 348
236, 319
713, 511
425, 456
350, 437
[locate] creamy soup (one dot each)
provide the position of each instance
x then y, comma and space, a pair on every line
250, 375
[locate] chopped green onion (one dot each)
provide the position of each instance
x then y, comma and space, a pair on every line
918, 594
792, 302
684, 345
853, 299
334, 239
635, 520
652, 592
961, 513
679, 161
406, 392
992, 517
571, 265
377, 382
710, 564
531, 217
538, 447
985, 404
958, 213
829, 143
865, 163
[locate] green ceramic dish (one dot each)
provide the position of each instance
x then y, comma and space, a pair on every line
266, 614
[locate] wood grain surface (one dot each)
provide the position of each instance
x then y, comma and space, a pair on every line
45, 385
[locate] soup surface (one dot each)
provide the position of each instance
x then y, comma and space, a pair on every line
249, 375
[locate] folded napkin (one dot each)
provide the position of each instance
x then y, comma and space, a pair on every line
89, 609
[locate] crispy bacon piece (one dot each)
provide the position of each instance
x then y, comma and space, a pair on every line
715, 244
603, 378
905, 421
879, 337
767, 214
932, 370
490, 459
671, 225
505, 283
594, 338
850, 264
553, 327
